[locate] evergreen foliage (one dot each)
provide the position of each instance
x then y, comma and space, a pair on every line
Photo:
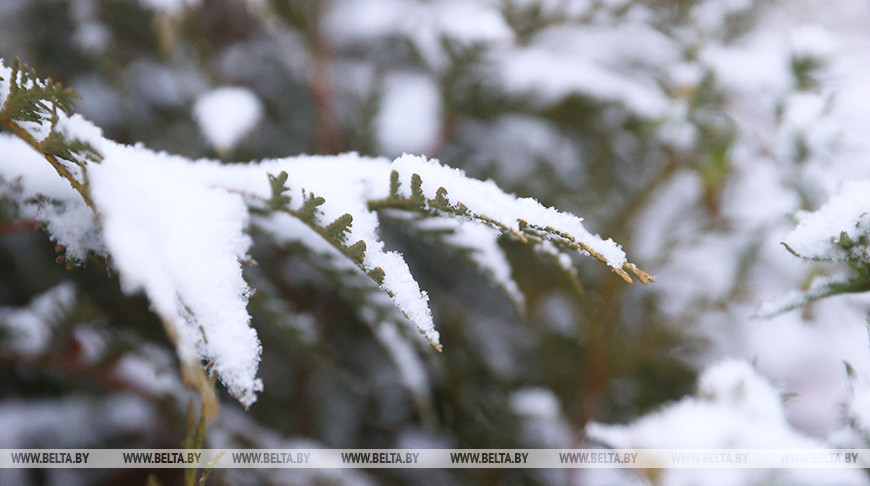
690, 132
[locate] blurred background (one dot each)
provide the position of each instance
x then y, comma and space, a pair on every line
689, 131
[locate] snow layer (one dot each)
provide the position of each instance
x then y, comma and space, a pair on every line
175, 229
818, 233
181, 242
46, 197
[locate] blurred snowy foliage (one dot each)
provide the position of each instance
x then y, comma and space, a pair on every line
734, 408
699, 134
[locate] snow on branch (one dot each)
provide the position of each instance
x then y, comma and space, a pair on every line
425, 188
181, 242
838, 232
177, 229
31, 109
478, 244
335, 211
169, 235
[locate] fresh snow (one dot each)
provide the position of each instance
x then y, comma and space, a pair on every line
46, 197
38, 131
818, 233
362, 179
181, 243
713, 268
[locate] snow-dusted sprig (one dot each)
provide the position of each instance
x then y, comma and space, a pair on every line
819, 288
31, 109
336, 234
476, 244
330, 258
373, 305
838, 232
30, 99
483, 202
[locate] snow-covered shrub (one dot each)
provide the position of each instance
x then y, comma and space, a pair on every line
176, 229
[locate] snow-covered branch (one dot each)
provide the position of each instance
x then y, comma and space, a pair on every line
177, 229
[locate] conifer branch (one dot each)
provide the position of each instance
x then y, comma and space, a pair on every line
335, 233
441, 206
452, 235
36, 101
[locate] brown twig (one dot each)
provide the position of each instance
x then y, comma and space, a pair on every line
19, 226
